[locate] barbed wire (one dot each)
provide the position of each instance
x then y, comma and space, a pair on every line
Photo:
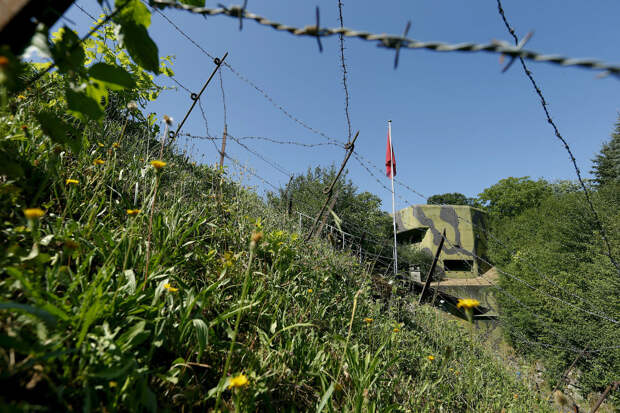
473, 224
280, 141
556, 131
344, 74
393, 42
272, 163
246, 80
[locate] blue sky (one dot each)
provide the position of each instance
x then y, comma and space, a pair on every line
458, 123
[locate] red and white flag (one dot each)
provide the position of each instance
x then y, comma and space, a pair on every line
390, 160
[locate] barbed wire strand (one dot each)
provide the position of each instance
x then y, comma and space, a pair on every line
344, 74
393, 41
556, 131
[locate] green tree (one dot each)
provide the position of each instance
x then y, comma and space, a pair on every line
357, 212
512, 196
606, 165
452, 198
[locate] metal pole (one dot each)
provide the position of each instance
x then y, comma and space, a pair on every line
196, 97
432, 269
350, 146
223, 151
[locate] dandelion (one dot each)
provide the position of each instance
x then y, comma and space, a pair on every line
396, 330
467, 303
368, 320
98, 161
133, 212
238, 381
168, 119
310, 290
112, 384
132, 105
170, 288
33, 213
431, 357
116, 145
21, 97
100, 144
72, 182
158, 164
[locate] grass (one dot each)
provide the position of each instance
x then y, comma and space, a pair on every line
80, 330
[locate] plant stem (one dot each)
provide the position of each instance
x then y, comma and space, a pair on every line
244, 292
150, 231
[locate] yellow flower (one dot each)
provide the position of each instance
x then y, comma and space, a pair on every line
21, 97
98, 162
170, 288
112, 384
116, 145
238, 381
100, 144
141, 159
133, 212
158, 164
467, 303
34, 213
72, 182
431, 357
368, 320
396, 330
309, 290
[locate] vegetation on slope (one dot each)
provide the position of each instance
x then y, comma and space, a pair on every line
82, 329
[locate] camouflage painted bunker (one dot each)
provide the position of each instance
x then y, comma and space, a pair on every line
460, 272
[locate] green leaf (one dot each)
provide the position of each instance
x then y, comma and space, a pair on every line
37, 312
325, 398
140, 46
202, 334
83, 106
133, 11
199, 3
112, 373
59, 131
68, 52
114, 77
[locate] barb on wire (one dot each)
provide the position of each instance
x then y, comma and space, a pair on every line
398, 44
390, 41
344, 74
318, 29
543, 102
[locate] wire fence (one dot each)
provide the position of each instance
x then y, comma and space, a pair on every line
354, 241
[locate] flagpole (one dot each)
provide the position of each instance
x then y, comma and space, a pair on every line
393, 207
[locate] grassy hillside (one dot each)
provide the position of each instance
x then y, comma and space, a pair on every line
236, 310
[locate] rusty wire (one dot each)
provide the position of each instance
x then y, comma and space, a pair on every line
556, 131
393, 41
